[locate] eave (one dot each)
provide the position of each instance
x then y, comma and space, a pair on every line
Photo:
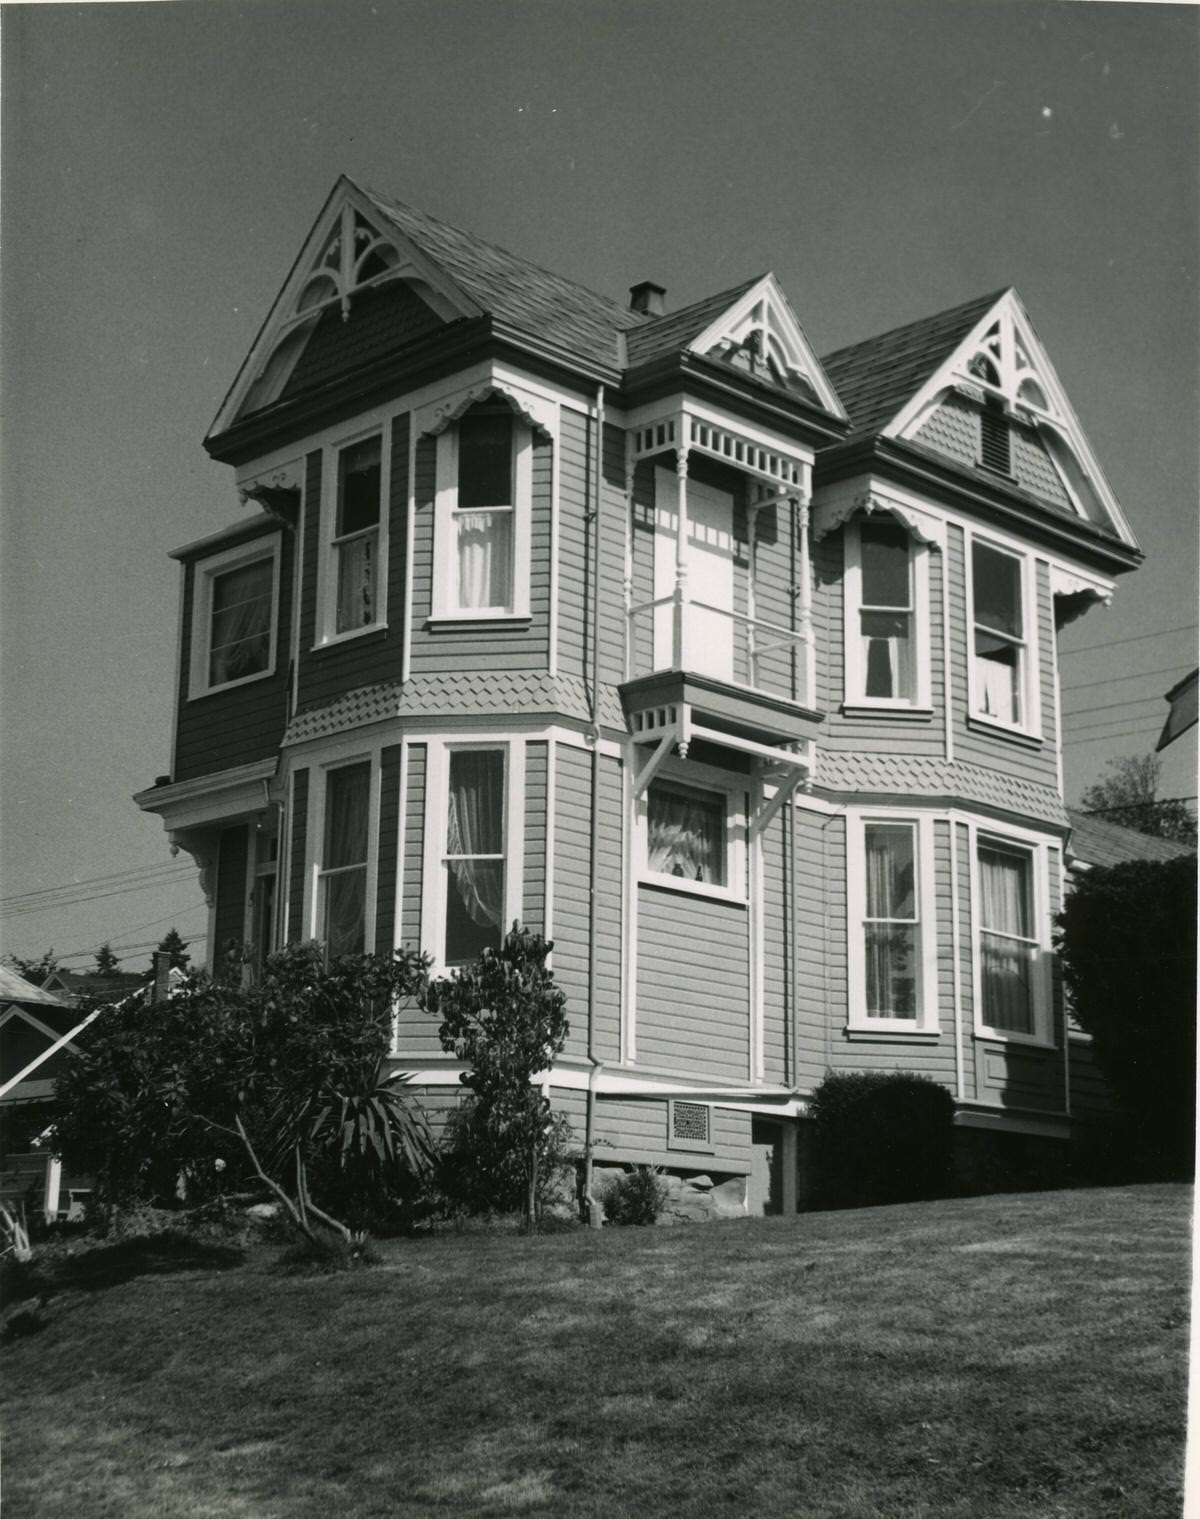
996, 501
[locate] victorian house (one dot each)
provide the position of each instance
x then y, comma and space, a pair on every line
730, 668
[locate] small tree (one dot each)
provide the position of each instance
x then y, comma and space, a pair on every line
1128, 795
1127, 940
107, 963
505, 1019
172, 944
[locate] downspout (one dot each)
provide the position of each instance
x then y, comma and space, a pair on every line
960, 1085
594, 1211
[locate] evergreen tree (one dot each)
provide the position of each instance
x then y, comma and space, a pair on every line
176, 947
107, 963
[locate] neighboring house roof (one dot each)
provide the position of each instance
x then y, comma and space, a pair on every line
15, 988
674, 330
1097, 842
515, 290
1183, 714
76, 985
876, 377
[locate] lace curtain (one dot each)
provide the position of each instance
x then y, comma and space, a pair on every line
1006, 918
686, 836
891, 944
241, 623
356, 582
474, 828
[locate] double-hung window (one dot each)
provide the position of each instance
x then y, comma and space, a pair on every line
892, 979
1000, 657
484, 502
886, 622
473, 862
356, 536
1011, 970
235, 594
342, 875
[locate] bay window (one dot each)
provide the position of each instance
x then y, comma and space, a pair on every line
356, 537
1000, 652
1010, 969
235, 594
474, 859
886, 616
892, 970
342, 874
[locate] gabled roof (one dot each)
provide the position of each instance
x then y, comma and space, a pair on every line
517, 291
15, 988
876, 377
668, 334
1095, 841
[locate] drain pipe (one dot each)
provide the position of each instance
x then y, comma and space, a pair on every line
594, 1211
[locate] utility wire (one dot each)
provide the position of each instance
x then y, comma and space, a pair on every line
1108, 680
112, 879
1138, 806
1094, 738
1130, 701
97, 896
1135, 638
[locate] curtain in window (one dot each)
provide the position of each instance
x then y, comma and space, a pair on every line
485, 559
356, 583
474, 827
996, 674
686, 835
345, 911
890, 944
344, 866
241, 623
1006, 918
886, 646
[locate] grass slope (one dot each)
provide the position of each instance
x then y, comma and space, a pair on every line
1004, 1356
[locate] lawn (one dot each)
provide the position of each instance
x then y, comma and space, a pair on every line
1003, 1356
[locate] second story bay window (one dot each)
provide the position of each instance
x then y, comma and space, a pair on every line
886, 616
484, 503
1002, 653
356, 539
234, 598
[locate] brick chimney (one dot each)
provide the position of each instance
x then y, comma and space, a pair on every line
648, 298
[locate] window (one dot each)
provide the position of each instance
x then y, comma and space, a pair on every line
999, 661
892, 951
356, 538
474, 859
1010, 968
886, 622
483, 517
342, 877
233, 621
686, 834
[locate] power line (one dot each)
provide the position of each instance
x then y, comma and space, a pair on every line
1095, 738
1135, 638
1138, 806
1108, 680
1136, 701
134, 872
96, 896
136, 929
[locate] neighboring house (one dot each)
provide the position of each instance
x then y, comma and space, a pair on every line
731, 669
1183, 712
86, 988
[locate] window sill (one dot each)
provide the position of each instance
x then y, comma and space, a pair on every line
977, 723
1029, 1041
692, 889
465, 622
335, 640
860, 1032
230, 685
889, 711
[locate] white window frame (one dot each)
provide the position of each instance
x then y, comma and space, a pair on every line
327, 563
855, 696
1018, 841
437, 801
445, 607
732, 790
205, 572
1030, 690
927, 1020
318, 795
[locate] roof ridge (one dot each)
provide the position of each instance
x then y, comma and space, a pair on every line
982, 301
703, 300
388, 202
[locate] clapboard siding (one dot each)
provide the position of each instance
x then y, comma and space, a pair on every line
533, 910
981, 746
229, 917
821, 994
629, 1132
224, 729
872, 734
339, 667
416, 1031
389, 830
693, 988
576, 549
572, 842
296, 863
775, 571
778, 951
480, 646
964, 950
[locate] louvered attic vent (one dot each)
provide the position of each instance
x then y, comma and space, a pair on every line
689, 1126
995, 440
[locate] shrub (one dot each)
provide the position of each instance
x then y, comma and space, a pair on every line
476, 1176
881, 1138
637, 1197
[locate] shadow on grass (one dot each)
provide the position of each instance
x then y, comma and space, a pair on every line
102, 1266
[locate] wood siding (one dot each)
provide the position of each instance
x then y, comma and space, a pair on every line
389, 838
377, 656
693, 979
226, 728
229, 917
953, 429
572, 842
533, 908
297, 866
821, 994
577, 549
634, 1131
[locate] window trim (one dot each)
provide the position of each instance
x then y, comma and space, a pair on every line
318, 792
444, 606
1037, 850
204, 572
1031, 726
327, 557
928, 1020
698, 777
855, 699
437, 801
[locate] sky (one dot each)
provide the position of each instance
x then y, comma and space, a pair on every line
162, 163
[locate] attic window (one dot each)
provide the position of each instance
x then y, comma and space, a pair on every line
995, 440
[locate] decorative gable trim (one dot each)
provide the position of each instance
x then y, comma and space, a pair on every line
351, 248
1002, 363
828, 516
537, 414
13, 1011
763, 323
